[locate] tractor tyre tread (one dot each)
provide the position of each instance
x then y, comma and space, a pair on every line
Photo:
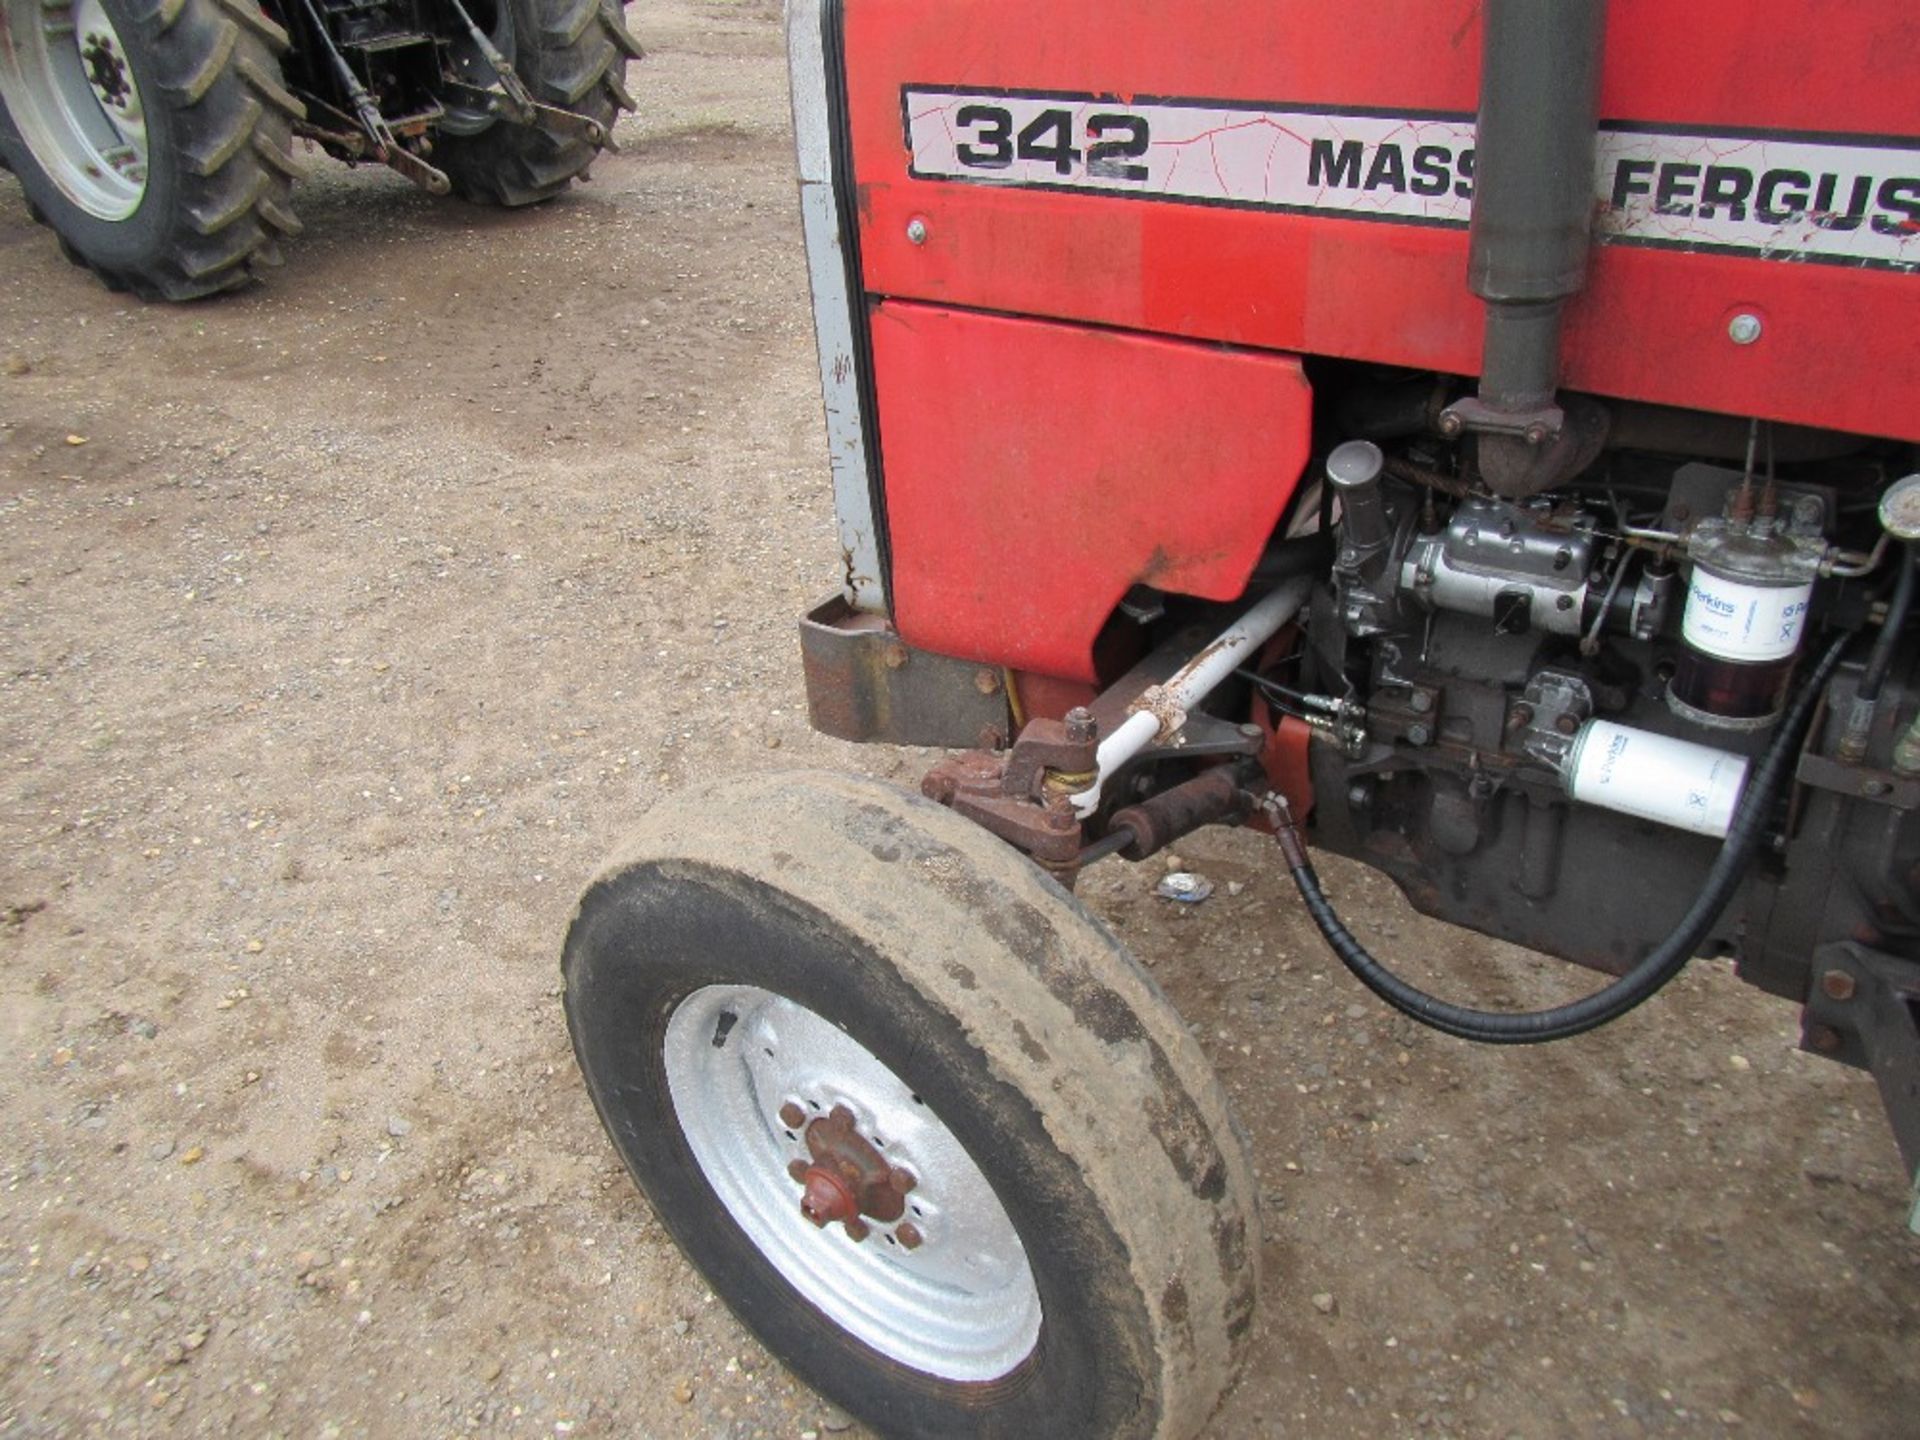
572, 57
214, 68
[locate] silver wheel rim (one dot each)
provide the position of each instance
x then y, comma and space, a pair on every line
472, 67
961, 1306
71, 92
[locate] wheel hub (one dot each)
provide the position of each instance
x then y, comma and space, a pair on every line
106, 71
849, 1178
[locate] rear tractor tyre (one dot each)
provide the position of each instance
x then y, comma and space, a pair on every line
918, 1117
571, 54
153, 136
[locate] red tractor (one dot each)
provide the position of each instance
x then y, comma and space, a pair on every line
1477, 439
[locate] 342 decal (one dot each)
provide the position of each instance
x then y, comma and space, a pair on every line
1112, 143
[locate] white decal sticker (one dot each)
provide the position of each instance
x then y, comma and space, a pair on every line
1737, 621
1842, 201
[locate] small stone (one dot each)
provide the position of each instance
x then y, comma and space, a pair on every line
76, 439
139, 1264
490, 1372
160, 1149
1739, 1062
683, 1392
195, 1338
1731, 1417
834, 1420
1236, 887
254, 947
1173, 861
399, 1127
680, 1327
142, 1027
193, 1155
1326, 1304
18, 365
773, 742
1412, 1155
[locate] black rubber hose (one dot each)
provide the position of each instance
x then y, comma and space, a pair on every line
1660, 964
1881, 656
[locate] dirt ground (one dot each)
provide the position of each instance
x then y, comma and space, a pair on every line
347, 623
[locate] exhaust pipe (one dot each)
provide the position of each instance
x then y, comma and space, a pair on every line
1530, 234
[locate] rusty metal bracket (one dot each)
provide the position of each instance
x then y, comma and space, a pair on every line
1008, 794
864, 683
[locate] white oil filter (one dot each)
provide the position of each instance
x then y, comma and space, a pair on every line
1655, 777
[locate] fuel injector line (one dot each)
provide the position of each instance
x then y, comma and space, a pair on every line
1660, 964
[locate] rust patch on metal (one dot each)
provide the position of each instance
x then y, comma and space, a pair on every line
849, 1181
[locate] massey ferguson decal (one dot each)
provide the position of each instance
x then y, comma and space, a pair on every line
1847, 200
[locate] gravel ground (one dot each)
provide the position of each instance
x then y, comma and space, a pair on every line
350, 620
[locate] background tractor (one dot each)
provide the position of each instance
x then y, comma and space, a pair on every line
155, 137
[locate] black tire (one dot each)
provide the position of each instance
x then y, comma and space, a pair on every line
219, 162
1034, 1038
571, 54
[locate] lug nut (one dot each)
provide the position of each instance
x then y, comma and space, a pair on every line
903, 1180
908, 1234
792, 1116
1823, 1038
1080, 726
1837, 984
798, 1170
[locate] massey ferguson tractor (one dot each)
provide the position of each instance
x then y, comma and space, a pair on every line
155, 137
1473, 438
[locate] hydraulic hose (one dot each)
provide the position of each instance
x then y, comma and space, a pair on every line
1660, 964
1881, 656
1859, 724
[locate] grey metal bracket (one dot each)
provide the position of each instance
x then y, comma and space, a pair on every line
1864, 1010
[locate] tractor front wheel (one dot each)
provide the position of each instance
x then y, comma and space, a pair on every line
153, 136
921, 1121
